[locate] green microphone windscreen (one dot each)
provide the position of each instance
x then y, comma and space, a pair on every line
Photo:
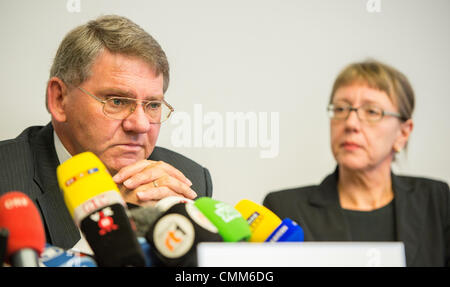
230, 223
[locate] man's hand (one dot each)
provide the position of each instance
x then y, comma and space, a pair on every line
146, 182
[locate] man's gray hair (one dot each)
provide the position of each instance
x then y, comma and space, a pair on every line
81, 47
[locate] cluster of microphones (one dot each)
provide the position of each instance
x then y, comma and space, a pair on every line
162, 235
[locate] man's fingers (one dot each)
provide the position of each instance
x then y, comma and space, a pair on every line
131, 170
173, 172
155, 194
146, 171
147, 176
177, 186
163, 187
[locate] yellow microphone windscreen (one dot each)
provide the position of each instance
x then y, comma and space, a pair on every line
83, 178
262, 221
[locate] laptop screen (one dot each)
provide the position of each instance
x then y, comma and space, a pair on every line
301, 254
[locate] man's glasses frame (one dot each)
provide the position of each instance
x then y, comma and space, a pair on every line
144, 103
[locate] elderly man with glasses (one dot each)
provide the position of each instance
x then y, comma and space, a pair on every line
105, 94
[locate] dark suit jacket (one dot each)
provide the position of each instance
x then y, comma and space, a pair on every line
422, 215
28, 164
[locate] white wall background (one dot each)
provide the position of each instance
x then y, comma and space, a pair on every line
258, 56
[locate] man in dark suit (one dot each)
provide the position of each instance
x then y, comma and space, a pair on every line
105, 94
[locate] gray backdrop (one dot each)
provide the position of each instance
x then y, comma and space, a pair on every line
254, 57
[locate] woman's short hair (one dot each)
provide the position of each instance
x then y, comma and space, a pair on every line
382, 77
81, 46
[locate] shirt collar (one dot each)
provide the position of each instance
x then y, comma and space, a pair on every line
61, 151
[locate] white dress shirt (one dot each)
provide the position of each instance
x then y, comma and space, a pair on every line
63, 155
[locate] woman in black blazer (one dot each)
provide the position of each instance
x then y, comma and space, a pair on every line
363, 200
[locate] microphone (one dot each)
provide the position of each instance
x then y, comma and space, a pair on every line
3, 244
267, 226
230, 223
144, 218
146, 250
98, 209
21, 218
57, 257
175, 235
262, 221
287, 231
167, 202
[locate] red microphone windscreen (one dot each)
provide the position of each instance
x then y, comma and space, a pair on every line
20, 216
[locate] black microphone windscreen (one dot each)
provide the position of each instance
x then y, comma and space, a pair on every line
175, 235
110, 234
144, 218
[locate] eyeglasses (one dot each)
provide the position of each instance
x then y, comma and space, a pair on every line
120, 108
369, 113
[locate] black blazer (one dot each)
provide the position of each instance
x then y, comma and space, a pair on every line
28, 164
422, 215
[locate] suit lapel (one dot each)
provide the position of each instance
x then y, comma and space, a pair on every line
329, 221
60, 226
408, 220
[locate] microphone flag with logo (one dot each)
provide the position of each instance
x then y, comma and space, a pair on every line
230, 223
262, 221
175, 235
95, 203
26, 241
